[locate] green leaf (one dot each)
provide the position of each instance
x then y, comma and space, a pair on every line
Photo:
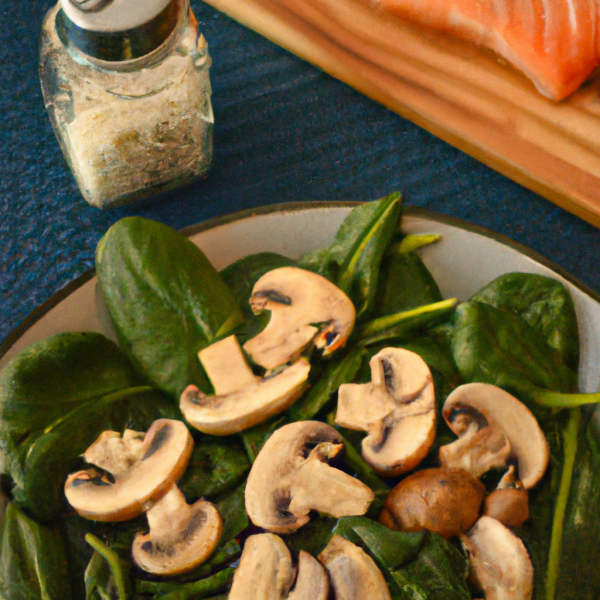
404, 324
165, 299
107, 576
256, 437
336, 373
414, 241
197, 590
417, 566
56, 397
544, 303
232, 509
405, 283
241, 277
33, 561
312, 537
215, 467
352, 262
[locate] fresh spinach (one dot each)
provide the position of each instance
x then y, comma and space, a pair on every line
33, 561
165, 299
108, 576
48, 418
196, 590
417, 566
353, 261
544, 303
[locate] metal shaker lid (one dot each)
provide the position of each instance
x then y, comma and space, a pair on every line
112, 15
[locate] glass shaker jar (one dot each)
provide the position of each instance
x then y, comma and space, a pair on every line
126, 86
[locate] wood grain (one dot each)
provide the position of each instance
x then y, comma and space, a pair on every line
465, 95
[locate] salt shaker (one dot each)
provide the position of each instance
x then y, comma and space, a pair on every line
127, 89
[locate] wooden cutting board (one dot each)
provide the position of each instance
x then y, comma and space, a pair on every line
466, 95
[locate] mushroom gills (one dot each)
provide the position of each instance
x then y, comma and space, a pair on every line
291, 477
298, 299
397, 410
499, 562
493, 427
141, 472
181, 537
353, 573
242, 399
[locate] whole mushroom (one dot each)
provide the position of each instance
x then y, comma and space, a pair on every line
291, 477
397, 410
241, 398
493, 427
305, 309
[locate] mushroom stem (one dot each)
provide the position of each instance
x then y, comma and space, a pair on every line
168, 517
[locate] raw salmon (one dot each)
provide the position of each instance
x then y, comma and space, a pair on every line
554, 42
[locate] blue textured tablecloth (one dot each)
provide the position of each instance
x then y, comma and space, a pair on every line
285, 131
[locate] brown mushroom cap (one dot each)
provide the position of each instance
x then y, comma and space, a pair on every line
291, 476
483, 405
510, 506
265, 571
444, 501
352, 572
241, 399
499, 563
181, 537
397, 409
160, 461
298, 299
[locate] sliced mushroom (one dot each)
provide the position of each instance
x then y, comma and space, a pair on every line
291, 477
241, 399
353, 572
181, 536
266, 573
445, 501
143, 468
493, 427
510, 506
499, 563
312, 582
397, 410
298, 301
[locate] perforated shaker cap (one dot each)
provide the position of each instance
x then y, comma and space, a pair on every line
111, 16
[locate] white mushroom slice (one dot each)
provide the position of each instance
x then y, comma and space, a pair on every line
241, 399
499, 563
290, 477
353, 573
141, 472
312, 582
265, 571
397, 409
298, 300
493, 427
181, 537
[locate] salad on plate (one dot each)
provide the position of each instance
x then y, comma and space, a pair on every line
328, 427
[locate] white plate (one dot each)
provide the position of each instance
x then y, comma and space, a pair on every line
464, 260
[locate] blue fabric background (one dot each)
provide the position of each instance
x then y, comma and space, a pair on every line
285, 131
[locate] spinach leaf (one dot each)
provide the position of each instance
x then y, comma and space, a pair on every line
107, 576
165, 299
33, 562
405, 323
256, 437
312, 537
215, 467
417, 566
405, 283
495, 346
56, 397
197, 590
544, 303
241, 277
352, 262
336, 373
232, 509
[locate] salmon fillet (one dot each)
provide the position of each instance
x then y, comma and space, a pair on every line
553, 42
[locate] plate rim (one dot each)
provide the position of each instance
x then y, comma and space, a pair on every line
190, 230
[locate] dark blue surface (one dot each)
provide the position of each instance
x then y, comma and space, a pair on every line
284, 131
